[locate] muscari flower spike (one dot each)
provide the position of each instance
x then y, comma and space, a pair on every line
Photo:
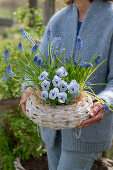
75, 63
55, 43
106, 107
45, 85
97, 59
20, 47
44, 95
6, 56
79, 44
62, 97
43, 75
27, 37
37, 61
88, 84
85, 64
34, 48
9, 71
49, 34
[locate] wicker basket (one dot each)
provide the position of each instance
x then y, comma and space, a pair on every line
61, 117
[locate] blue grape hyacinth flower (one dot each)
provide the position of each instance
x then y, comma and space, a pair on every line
73, 87
45, 85
43, 75
37, 61
88, 84
62, 97
106, 107
20, 47
79, 44
27, 37
6, 56
34, 48
85, 64
9, 71
49, 34
97, 59
56, 81
55, 43
44, 95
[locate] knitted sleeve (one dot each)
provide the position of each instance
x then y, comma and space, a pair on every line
107, 93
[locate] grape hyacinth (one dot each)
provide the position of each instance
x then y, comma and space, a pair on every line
44, 95
27, 37
88, 84
9, 71
45, 85
20, 47
37, 61
97, 59
43, 75
79, 44
6, 56
34, 48
56, 42
85, 64
62, 97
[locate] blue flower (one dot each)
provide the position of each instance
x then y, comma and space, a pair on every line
9, 71
34, 48
5, 78
73, 87
56, 81
44, 95
49, 34
37, 61
75, 63
79, 44
63, 86
61, 72
20, 47
55, 43
6, 56
106, 107
27, 37
45, 85
88, 84
62, 97
53, 93
97, 59
85, 64
43, 75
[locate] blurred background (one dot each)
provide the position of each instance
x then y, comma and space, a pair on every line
19, 141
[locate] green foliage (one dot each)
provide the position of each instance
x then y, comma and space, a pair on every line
18, 138
26, 17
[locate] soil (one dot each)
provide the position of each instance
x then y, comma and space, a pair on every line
40, 163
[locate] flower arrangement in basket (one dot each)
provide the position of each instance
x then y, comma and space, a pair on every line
61, 90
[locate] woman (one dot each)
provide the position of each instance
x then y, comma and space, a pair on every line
93, 22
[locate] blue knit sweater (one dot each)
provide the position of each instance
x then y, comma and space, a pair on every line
97, 36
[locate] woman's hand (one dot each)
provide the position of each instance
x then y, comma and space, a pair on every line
24, 98
96, 115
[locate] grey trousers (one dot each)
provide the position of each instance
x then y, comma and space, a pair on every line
59, 159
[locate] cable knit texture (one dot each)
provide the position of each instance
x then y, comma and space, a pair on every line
97, 36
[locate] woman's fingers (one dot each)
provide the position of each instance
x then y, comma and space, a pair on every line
95, 119
97, 106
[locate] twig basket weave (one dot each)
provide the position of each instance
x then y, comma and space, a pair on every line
61, 117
